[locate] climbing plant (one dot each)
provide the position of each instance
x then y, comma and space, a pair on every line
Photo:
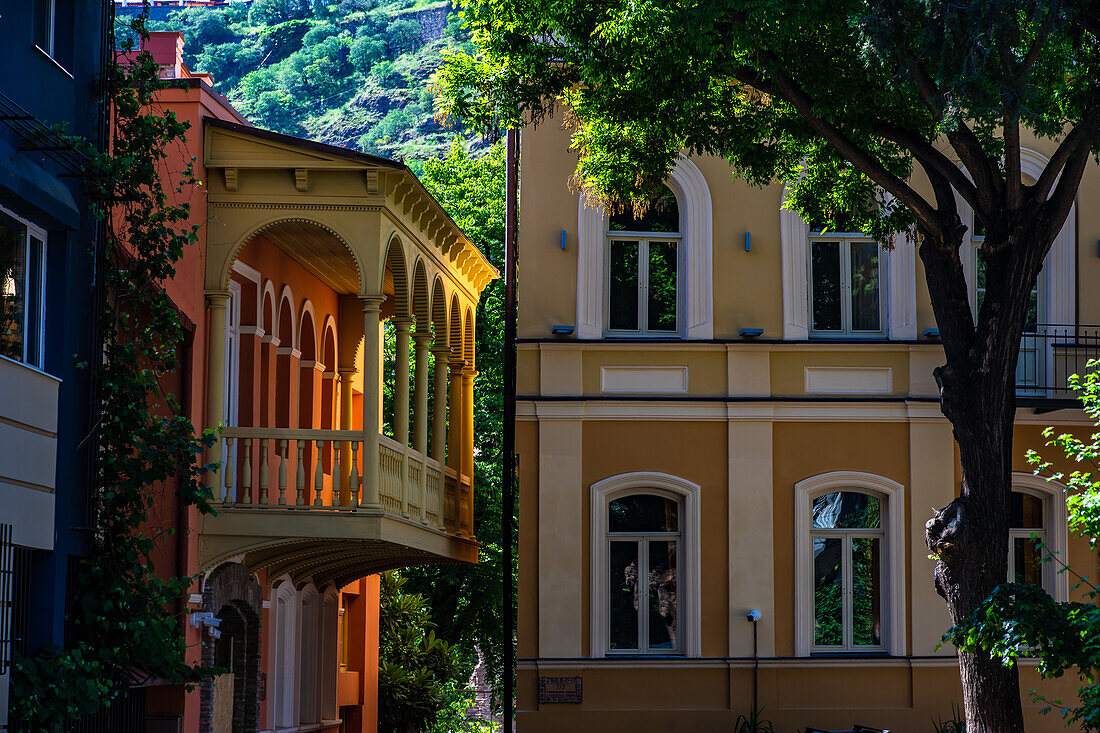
121, 625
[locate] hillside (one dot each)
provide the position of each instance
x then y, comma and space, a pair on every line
355, 74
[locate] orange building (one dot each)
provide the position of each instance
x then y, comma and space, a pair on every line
306, 255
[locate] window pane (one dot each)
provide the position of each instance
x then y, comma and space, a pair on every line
1025, 511
866, 592
663, 215
825, 268
980, 287
35, 302
847, 510
662, 595
1027, 561
828, 620
43, 24
624, 286
865, 307
13, 278
623, 589
643, 513
662, 286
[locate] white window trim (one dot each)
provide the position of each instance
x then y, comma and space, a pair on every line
898, 272
893, 495
33, 230
643, 240
689, 578
282, 677
1055, 526
696, 280
845, 240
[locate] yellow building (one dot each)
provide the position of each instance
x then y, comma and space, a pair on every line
720, 411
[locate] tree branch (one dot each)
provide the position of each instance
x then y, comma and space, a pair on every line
1012, 160
930, 158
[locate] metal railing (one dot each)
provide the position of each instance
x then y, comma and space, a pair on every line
1049, 354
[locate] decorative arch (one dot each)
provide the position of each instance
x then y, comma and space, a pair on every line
307, 332
1056, 522
330, 634
421, 300
286, 322
439, 311
1058, 278
690, 580
899, 272
308, 633
395, 264
282, 690
267, 308
329, 343
693, 198
454, 330
893, 495
231, 592
468, 340
226, 267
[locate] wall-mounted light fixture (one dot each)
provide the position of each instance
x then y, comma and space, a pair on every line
563, 239
562, 330
931, 333
750, 333
748, 241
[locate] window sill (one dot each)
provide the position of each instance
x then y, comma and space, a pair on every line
55, 62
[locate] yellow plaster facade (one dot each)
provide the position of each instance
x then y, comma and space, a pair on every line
748, 421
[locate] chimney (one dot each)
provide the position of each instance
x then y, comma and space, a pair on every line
166, 48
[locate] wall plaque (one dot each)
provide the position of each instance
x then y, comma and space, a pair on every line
559, 689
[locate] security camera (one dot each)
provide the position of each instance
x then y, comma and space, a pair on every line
753, 615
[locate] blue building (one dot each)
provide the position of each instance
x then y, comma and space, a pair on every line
51, 56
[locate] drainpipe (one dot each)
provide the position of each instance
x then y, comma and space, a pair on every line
511, 271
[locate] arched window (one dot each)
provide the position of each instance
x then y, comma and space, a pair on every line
643, 266
849, 564
645, 566
1037, 535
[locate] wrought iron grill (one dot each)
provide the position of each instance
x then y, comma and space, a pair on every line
1050, 354
7, 572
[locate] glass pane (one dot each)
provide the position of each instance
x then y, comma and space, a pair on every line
1027, 561
980, 287
828, 621
662, 595
1025, 511
866, 592
43, 20
825, 269
35, 302
624, 286
623, 590
662, 286
865, 307
13, 296
663, 215
1032, 310
847, 510
643, 513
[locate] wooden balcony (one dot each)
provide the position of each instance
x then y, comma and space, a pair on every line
294, 501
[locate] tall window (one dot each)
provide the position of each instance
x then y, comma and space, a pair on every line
845, 292
45, 17
644, 533
22, 289
847, 539
643, 265
1026, 540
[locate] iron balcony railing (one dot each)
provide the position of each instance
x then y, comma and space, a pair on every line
1050, 354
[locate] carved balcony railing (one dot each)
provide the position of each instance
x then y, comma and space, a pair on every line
288, 470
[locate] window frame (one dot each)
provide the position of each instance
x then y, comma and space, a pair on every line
1055, 533
34, 232
892, 495
688, 570
845, 241
643, 239
51, 29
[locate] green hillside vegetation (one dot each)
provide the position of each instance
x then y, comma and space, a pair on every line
355, 74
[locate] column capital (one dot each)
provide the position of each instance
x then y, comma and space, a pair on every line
403, 323
347, 372
458, 365
372, 302
421, 339
441, 351
470, 373
217, 298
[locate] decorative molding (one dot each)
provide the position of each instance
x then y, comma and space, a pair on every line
690, 578
893, 494
293, 206
696, 227
644, 379
849, 380
288, 351
230, 179
247, 271
301, 179
370, 178
1056, 526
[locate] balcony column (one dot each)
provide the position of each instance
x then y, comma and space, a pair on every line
455, 441
439, 406
346, 376
421, 339
468, 376
403, 324
216, 302
372, 378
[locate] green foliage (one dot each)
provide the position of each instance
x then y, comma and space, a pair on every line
468, 601
418, 671
753, 723
357, 74
1020, 620
955, 724
120, 618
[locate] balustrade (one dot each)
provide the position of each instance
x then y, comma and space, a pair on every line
327, 471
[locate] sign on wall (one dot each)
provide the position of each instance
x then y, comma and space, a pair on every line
559, 689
